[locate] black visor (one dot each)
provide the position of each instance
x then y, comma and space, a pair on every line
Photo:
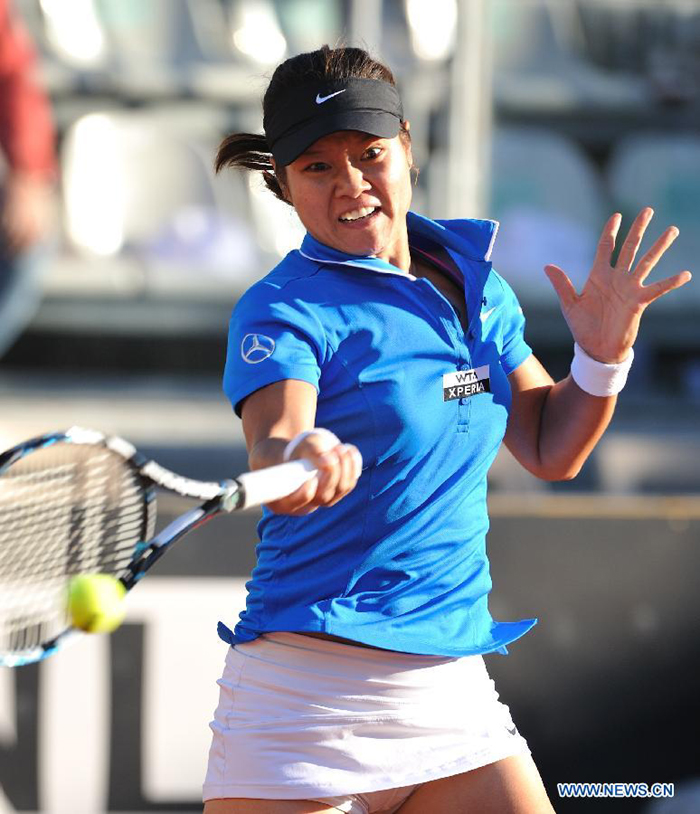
316, 110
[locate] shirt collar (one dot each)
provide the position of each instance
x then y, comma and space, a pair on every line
471, 238
312, 249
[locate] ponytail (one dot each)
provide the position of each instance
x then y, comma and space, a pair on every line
252, 152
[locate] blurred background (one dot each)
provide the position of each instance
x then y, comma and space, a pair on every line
123, 256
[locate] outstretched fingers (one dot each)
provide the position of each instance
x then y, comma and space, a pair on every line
562, 285
655, 253
634, 239
606, 244
655, 290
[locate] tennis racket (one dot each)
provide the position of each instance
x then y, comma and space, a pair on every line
78, 502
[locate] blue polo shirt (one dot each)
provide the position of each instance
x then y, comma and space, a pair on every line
400, 563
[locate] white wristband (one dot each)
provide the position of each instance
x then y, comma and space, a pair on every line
332, 439
599, 378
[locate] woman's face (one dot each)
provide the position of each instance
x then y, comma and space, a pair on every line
352, 192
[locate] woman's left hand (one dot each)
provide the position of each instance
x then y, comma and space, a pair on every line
604, 317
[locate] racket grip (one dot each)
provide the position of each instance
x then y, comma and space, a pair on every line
274, 482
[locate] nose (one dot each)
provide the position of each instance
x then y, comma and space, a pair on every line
350, 181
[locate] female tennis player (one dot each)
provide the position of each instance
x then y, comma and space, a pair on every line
355, 681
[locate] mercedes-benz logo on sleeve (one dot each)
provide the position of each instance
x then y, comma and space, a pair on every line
256, 348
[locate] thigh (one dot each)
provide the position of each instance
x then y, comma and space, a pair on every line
509, 786
245, 806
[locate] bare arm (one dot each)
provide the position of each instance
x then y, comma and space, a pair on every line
553, 428
275, 414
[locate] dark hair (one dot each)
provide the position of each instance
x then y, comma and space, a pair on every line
252, 151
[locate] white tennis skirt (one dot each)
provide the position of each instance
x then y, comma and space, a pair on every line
307, 718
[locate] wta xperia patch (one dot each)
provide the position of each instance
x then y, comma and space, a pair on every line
464, 383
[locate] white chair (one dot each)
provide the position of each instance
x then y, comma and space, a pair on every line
144, 50
551, 206
140, 186
538, 65
662, 170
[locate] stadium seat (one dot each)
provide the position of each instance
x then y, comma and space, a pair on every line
662, 170
551, 206
153, 50
173, 48
539, 66
139, 187
301, 25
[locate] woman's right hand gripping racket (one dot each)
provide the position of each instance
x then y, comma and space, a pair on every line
78, 503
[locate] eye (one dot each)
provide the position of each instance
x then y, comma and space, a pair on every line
317, 166
372, 152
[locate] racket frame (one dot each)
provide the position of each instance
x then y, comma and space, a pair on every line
245, 491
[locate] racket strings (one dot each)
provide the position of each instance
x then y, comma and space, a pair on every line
66, 509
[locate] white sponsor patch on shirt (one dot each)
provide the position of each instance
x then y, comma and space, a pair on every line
256, 348
465, 383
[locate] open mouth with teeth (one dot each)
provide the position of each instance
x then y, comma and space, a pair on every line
362, 214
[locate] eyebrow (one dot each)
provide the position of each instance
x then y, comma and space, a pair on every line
361, 137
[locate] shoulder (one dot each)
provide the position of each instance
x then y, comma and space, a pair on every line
285, 301
286, 283
501, 284
294, 270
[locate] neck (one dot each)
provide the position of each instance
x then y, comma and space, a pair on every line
398, 255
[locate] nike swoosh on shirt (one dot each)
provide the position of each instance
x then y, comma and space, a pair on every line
484, 315
321, 99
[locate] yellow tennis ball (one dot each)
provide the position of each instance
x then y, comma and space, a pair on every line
95, 602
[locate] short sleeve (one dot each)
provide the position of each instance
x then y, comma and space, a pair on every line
515, 349
271, 337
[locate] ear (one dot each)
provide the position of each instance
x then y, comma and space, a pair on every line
407, 144
280, 176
